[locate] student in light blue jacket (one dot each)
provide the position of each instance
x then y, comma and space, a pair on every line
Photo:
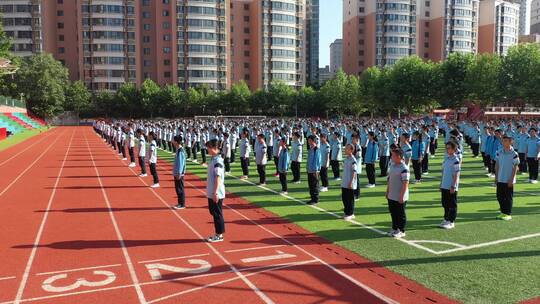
313, 169
371, 157
179, 169
283, 164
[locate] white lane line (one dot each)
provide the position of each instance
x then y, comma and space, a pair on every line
7, 278
30, 166
523, 237
22, 151
230, 280
26, 273
261, 294
254, 248
160, 282
132, 273
341, 273
279, 256
78, 269
174, 258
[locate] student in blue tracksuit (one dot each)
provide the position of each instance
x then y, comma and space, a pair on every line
449, 185
336, 156
313, 169
384, 153
405, 148
215, 189
496, 145
522, 139
296, 157
325, 162
371, 155
418, 148
506, 166
425, 159
348, 183
533, 154
179, 169
283, 164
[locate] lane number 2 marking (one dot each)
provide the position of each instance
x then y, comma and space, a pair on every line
155, 269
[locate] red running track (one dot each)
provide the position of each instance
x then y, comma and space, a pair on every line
82, 227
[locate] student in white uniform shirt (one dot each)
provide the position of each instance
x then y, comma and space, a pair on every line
215, 190
226, 152
451, 168
397, 193
142, 152
131, 145
245, 149
152, 160
349, 183
261, 154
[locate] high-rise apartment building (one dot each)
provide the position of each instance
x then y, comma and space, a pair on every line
535, 17
312, 41
525, 17
499, 26
22, 20
336, 55
268, 42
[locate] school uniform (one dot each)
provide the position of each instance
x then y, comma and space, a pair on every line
131, 146
336, 157
407, 153
234, 141
397, 175
283, 167
522, 151
358, 156
205, 137
313, 170
371, 157
216, 171
152, 160
245, 150
425, 160
417, 153
325, 163
506, 162
179, 170
296, 159
276, 148
142, 154
226, 151
433, 138
261, 158
450, 167
384, 155
349, 184
533, 153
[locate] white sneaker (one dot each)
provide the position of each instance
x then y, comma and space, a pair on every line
298, 182
155, 186
283, 192
425, 173
370, 186
324, 189
124, 158
132, 165
143, 175
392, 232
214, 239
534, 181
349, 217
448, 225
444, 223
399, 235
337, 178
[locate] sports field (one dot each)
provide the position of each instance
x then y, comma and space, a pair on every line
482, 260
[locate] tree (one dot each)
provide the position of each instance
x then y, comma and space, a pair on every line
194, 102
368, 88
450, 87
43, 81
482, 74
150, 96
128, 99
77, 98
520, 79
237, 100
341, 94
280, 98
308, 103
173, 98
5, 43
104, 101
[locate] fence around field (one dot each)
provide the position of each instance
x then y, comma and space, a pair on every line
67, 118
12, 102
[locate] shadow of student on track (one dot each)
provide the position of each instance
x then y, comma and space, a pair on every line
81, 245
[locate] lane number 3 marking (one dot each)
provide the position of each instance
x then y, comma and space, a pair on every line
48, 284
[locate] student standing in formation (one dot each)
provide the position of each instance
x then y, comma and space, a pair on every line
245, 149
372, 154
506, 165
397, 193
297, 144
348, 183
406, 148
425, 158
417, 156
215, 190
261, 159
325, 162
449, 185
142, 152
357, 153
475, 141
123, 142
533, 154
313, 169
131, 147
179, 169
276, 149
152, 160
336, 156
384, 153
283, 164
523, 138
226, 151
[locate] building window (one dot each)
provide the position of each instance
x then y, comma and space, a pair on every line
361, 53
426, 34
60, 13
361, 41
246, 18
146, 51
246, 41
361, 10
165, 13
427, 14
146, 15
167, 37
166, 25
426, 55
167, 74
360, 63
146, 39
426, 44
166, 50
246, 65
60, 25
166, 1
166, 62
60, 1
146, 63
246, 53
246, 7
61, 50
427, 23
361, 20
60, 37
146, 2
246, 30
146, 27
427, 3
246, 77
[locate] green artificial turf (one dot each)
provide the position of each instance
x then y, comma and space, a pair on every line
503, 273
20, 137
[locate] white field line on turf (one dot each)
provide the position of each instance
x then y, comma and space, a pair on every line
230, 280
341, 273
26, 273
261, 295
132, 273
29, 167
78, 269
528, 236
282, 265
174, 258
22, 151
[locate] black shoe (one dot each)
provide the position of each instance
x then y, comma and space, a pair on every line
311, 203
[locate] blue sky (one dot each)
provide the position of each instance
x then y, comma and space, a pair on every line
331, 22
